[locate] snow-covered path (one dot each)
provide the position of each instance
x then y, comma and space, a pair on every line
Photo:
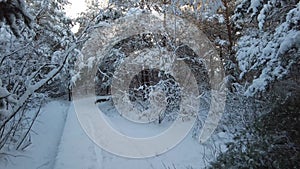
61, 143
46, 134
77, 151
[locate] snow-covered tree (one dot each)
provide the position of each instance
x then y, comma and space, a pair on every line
40, 56
12, 12
268, 56
270, 45
53, 29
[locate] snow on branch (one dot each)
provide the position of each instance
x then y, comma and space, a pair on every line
264, 53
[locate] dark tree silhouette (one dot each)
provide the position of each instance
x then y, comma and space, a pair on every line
13, 10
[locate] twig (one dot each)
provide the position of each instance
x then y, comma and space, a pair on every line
28, 130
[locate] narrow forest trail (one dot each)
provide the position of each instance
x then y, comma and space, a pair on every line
78, 151
59, 142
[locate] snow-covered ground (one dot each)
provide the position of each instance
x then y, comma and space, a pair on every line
46, 134
61, 143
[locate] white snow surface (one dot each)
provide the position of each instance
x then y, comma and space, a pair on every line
61, 143
46, 134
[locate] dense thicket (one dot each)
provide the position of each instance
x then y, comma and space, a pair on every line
257, 41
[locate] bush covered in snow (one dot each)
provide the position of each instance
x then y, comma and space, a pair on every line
266, 51
268, 141
268, 57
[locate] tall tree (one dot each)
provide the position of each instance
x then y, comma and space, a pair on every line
29, 62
